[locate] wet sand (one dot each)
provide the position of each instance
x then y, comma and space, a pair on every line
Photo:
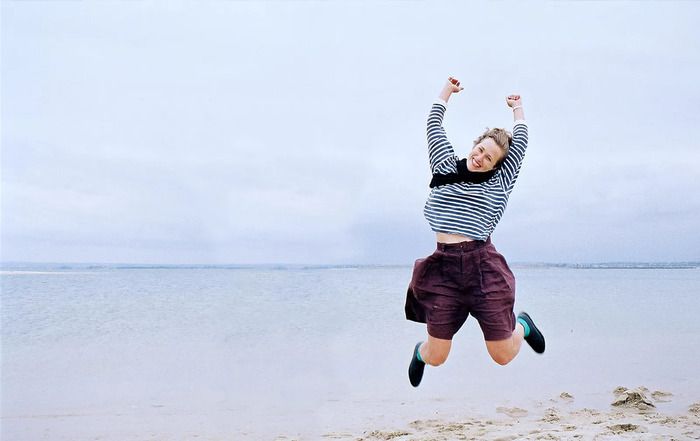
632, 415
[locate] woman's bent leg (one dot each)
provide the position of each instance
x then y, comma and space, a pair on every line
504, 351
434, 351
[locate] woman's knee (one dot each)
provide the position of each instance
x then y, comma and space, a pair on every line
502, 358
436, 351
502, 352
437, 358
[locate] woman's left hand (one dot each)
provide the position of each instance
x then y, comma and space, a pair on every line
513, 100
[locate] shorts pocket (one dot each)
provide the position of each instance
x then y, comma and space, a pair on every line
422, 270
496, 276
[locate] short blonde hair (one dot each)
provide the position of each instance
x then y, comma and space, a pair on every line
501, 137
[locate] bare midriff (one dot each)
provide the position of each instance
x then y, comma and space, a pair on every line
452, 238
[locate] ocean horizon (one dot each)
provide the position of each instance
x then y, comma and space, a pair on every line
19, 265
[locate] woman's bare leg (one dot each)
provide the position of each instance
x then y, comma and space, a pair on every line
504, 351
434, 351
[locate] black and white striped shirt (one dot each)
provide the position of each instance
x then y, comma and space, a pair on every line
469, 209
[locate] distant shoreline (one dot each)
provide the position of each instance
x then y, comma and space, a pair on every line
59, 266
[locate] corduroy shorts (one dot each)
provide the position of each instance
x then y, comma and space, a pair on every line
458, 280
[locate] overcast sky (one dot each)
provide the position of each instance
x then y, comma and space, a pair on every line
294, 132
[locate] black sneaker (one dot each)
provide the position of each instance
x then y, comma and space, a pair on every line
535, 339
415, 369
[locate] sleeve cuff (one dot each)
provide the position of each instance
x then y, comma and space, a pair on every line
440, 101
519, 121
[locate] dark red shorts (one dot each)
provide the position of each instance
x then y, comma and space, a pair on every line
458, 280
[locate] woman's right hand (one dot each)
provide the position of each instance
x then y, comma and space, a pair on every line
452, 85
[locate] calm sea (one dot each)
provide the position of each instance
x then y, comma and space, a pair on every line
115, 353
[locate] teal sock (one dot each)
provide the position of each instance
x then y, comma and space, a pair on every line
525, 326
418, 355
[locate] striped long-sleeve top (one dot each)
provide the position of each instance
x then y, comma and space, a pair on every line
469, 209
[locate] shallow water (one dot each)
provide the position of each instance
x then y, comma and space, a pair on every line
250, 353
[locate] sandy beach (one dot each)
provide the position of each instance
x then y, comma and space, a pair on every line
633, 415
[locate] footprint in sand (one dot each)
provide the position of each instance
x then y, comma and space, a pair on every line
547, 436
506, 438
378, 434
334, 436
618, 429
425, 424
661, 396
513, 412
566, 396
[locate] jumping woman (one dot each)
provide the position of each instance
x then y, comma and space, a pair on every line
466, 275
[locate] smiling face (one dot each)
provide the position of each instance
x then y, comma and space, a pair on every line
484, 156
